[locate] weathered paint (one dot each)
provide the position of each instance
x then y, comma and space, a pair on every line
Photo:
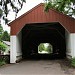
38, 15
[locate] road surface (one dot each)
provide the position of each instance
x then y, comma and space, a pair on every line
37, 67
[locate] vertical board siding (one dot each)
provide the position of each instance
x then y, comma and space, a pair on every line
38, 15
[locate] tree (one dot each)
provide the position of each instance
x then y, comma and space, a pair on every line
5, 6
46, 47
41, 47
5, 36
2, 47
65, 6
49, 49
1, 31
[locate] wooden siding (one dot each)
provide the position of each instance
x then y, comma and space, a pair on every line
38, 15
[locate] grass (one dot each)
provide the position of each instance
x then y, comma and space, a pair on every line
73, 62
2, 63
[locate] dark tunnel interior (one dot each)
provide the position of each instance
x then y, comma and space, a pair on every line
36, 33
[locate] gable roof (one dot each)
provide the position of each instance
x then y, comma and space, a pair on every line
38, 15
26, 13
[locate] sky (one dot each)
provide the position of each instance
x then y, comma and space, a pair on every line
26, 7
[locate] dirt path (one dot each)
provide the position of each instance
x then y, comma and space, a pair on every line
38, 67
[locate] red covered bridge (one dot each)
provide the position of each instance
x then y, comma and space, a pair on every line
37, 26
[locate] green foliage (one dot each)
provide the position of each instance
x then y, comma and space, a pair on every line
15, 5
46, 49
2, 47
73, 62
5, 36
65, 6
49, 49
1, 31
2, 62
41, 47
1, 12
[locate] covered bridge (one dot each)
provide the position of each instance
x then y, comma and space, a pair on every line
37, 26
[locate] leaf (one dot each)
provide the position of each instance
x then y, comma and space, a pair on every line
61, 6
48, 6
2, 47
